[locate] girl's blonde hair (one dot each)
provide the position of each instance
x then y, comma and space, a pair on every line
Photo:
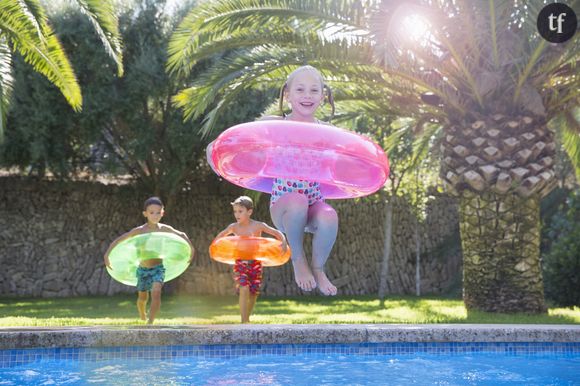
291, 77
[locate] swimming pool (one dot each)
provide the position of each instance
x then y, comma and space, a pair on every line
390, 363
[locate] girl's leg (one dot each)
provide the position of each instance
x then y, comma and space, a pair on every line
155, 301
289, 214
323, 222
142, 298
245, 303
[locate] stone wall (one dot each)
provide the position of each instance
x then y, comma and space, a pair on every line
53, 236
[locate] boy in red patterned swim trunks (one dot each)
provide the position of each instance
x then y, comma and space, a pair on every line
248, 273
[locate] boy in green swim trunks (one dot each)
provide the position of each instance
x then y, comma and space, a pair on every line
150, 273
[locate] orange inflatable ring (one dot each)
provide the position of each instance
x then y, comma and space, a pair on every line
266, 250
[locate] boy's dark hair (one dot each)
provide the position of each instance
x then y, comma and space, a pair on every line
152, 201
244, 201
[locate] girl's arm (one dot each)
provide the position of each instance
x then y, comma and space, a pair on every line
276, 233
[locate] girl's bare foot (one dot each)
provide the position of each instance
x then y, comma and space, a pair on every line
324, 285
303, 276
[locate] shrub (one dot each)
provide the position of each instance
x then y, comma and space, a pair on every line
561, 263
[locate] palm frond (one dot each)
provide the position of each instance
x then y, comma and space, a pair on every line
569, 126
6, 83
271, 63
422, 131
477, 57
103, 18
218, 19
424, 142
32, 11
401, 127
559, 62
39, 46
527, 70
247, 39
25, 19
340, 61
493, 30
436, 53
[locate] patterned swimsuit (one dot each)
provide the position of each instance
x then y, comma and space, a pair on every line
281, 186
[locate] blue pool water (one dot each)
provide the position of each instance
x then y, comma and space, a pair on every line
351, 364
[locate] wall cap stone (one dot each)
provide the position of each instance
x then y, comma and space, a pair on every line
50, 337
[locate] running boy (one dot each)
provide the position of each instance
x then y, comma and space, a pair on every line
150, 273
248, 273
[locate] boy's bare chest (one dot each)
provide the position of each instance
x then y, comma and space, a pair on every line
247, 230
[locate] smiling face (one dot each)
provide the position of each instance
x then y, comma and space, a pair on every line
305, 94
153, 213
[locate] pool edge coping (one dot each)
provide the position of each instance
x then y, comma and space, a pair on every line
115, 336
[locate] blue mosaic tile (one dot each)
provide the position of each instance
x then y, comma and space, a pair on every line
16, 357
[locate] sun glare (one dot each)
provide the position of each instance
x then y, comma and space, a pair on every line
416, 27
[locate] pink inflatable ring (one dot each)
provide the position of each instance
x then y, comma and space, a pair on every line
345, 164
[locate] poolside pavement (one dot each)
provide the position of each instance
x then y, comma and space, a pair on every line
114, 336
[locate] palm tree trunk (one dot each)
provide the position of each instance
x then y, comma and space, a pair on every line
386, 249
417, 258
501, 253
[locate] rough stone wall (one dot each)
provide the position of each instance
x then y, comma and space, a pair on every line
53, 236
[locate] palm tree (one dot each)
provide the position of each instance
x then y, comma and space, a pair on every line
475, 77
24, 29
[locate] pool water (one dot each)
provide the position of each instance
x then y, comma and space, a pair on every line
365, 364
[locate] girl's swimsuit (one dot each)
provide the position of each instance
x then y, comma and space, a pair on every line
310, 189
282, 186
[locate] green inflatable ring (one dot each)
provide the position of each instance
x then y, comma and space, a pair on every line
126, 256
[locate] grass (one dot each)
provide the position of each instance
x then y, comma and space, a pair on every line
180, 310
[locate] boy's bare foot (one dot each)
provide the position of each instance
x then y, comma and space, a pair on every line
324, 285
303, 276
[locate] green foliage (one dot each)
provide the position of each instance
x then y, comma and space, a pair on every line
269, 40
24, 29
144, 131
567, 126
128, 124
412, 169
562, 262
475, 57
147, 132
44, 133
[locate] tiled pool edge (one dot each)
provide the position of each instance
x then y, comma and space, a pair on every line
88, 337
